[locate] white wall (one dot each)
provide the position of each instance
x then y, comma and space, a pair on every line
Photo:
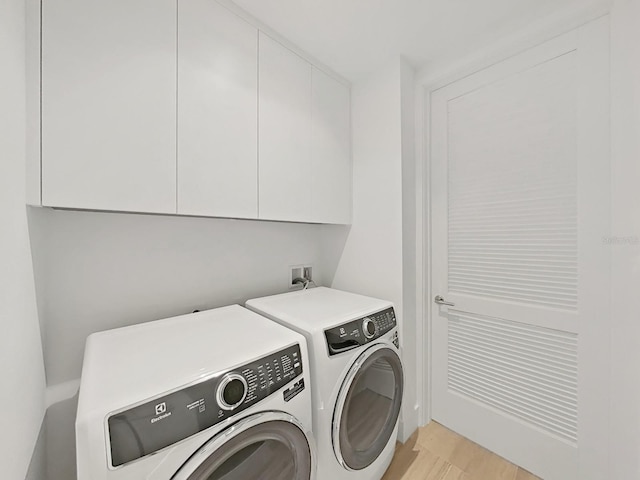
371, 263
372, 260
21, 368
96, 271
625, 249
411, 243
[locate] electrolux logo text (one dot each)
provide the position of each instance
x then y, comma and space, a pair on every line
161, 412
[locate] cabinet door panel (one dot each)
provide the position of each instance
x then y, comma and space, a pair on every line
109, 104
217, 111
284, 133
330, 150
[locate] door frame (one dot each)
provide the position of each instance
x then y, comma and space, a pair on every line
427, 81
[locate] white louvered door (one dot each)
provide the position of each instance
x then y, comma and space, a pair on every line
519, 207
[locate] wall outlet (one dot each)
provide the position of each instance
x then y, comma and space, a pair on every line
300, 271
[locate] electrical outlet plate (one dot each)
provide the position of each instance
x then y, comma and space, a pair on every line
299, 271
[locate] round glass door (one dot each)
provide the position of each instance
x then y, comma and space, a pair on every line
258, 449
368, 407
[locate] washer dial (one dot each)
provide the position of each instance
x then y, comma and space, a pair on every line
369, 327
232, 391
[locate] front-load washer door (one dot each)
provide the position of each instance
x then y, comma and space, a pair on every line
265, 446
368, 407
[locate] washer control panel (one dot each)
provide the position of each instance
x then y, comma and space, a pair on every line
165, 420
360, 331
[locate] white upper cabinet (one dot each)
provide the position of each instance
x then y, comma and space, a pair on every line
183, 106
330, 150
284, 125
109, 104
217, 110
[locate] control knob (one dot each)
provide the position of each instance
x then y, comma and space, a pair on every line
231, 392
369, 328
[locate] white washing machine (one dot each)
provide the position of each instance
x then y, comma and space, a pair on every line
217, 395
356, 374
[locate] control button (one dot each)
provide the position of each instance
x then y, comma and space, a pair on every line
232, 391
369, 327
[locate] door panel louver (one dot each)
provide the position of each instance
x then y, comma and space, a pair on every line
523, 370
512, 196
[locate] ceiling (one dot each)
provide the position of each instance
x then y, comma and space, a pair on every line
354, 37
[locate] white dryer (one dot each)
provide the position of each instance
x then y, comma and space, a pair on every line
356, 374
217, 395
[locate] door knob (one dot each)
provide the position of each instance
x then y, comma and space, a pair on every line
441, 301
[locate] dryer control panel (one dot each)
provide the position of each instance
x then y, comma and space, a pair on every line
360, 331
165, 420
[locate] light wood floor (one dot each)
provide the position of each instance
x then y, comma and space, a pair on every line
436, 453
